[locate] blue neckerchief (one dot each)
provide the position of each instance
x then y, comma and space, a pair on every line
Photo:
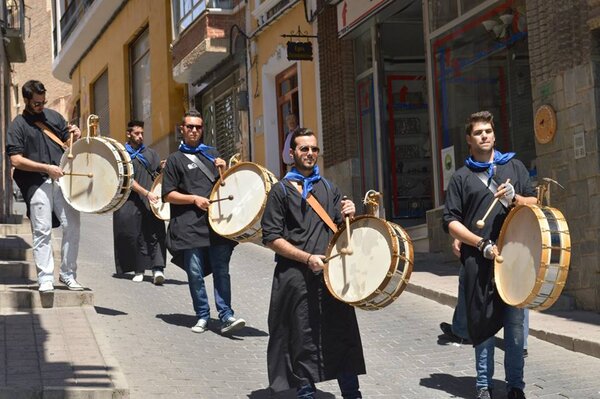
490, 167
307, 182
202, 149
137, 154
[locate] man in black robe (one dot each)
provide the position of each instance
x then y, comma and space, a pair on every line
188, 179
139, 236
313, 337
471, 191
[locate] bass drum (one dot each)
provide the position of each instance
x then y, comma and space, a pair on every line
99, 176
536, 246
378, 269
239, 218
160, 209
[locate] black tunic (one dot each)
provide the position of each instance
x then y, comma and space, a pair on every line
467, 200
313, 337
139, 236
26, 138
188, 227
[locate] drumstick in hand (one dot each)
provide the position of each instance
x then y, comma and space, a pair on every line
70, 156
221, 176
480, 223
230, 197
347, 250
79, 174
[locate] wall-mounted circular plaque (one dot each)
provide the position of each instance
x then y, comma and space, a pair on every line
545, 124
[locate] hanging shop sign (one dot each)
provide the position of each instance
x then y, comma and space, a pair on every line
299, 51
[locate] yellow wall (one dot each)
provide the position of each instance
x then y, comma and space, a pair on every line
267, 42
112, 51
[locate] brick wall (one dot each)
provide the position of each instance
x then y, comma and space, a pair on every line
338, 106
565, 75
38, 47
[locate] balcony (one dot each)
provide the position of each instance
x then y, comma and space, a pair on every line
80, 24
14, 29
202, 36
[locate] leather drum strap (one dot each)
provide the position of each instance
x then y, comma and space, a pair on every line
51, 135
312, 201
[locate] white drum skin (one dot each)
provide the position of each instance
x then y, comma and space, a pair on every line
536, 246
108, 164
239, 219
160, 209
378, 269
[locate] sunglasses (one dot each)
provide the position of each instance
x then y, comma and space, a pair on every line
192, 127
306, 148
39, 103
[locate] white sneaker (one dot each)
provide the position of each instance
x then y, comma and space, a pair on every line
71, 283
200, 326
138, 278
158, 277
232, 324
46, 286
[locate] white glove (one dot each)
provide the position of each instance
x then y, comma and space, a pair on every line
510, 191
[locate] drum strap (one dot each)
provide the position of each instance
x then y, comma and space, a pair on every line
194, 158
492, 186
52, 136
318, 208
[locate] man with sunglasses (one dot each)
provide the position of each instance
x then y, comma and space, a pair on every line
35, 144
313, 337
139, 236
188, 178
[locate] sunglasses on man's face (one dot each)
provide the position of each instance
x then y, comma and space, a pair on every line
39, 103
306, 148
192, 127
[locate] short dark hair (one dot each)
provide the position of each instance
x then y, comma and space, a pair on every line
299, 133
481, 116
193, 113
133, 124
32, 86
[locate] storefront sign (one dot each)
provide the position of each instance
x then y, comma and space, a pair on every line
448, 166
350, 13
299, 51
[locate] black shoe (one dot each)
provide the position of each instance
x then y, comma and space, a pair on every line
447, 330
525, 353
484, 393
515, 393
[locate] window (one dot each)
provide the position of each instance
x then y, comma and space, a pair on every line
287, 103
100, 106
141, 101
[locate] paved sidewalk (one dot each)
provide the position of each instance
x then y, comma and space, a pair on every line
575, 330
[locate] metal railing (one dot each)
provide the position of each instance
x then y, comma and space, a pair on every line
184, 16
14, 15
72, 15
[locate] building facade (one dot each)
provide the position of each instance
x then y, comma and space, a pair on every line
116, 56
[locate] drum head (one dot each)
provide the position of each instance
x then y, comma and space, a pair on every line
161, 210
520, 245
100, 160
355, 277
246, 183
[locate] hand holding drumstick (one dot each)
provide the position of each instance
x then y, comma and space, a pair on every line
481, 223
221, 165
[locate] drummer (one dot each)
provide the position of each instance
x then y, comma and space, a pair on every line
139, 237
35, 144
188, 178
470, 193
313, 337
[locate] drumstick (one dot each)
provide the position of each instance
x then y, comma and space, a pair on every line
221, 199
70, 156
332, 256
347, 250
79, 174
480, 223
221, 176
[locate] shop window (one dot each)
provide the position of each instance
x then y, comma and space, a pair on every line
483, 64
100, 104
141, 92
